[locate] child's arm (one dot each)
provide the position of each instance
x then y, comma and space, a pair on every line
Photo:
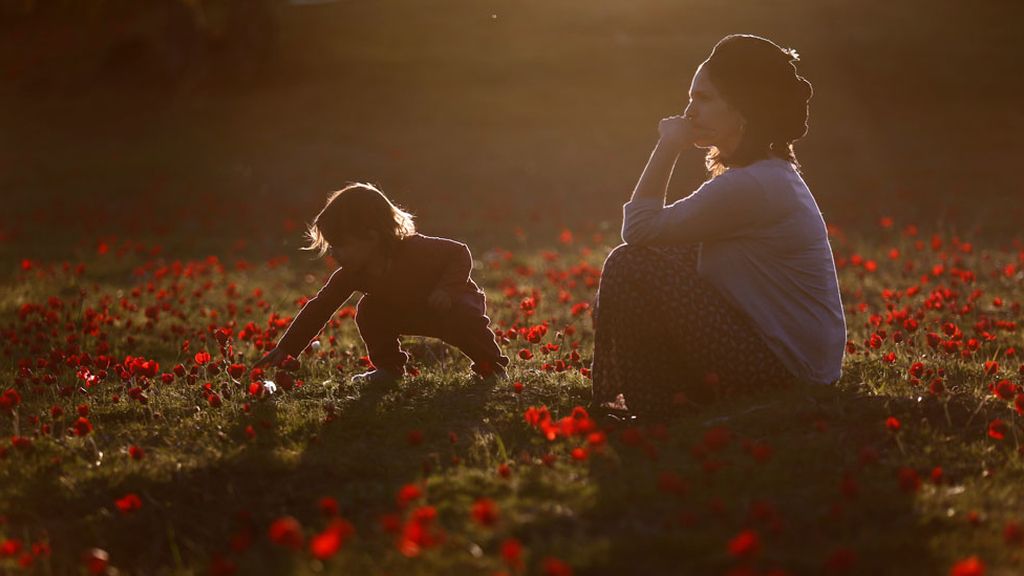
311, 319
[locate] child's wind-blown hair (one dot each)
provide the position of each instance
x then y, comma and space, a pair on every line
357, 210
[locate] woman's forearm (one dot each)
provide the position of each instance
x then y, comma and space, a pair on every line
654, 181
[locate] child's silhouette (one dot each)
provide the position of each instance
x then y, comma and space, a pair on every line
411, 284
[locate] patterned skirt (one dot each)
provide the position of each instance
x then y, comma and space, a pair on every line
666, 340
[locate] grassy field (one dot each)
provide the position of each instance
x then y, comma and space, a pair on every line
130, 449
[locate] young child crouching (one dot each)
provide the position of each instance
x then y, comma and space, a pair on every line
411, 284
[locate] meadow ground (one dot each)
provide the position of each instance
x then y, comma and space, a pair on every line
139, 438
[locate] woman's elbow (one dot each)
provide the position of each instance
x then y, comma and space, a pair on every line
635, 236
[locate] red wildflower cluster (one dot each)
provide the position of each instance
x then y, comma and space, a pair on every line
420, 532
328, 542
576, 424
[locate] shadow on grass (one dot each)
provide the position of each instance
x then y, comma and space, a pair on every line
812, 472
380, 439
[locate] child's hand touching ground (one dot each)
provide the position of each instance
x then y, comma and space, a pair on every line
273, 358
439, 300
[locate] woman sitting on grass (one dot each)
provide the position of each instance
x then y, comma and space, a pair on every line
411, 284
732, 288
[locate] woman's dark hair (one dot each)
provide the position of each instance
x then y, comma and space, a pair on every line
759, 79
357, 210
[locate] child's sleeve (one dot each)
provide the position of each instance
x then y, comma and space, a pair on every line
458, 264
315, 314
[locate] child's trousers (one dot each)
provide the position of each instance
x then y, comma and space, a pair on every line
464, 326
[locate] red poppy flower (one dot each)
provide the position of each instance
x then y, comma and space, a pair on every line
9, 399
745, 545
555, 567
972, 566
407, 494
892, 424
671, 483
761, 451
420, 532
485, 512
82, 427
997, 429
136, 453
236, 370
202, 358
414, 437
10, 547
390, 523
290, 363
512, 553
1012, 532
1004, 389
909, 480
717, 438
128, 503
287, 532
328, 506
327, 543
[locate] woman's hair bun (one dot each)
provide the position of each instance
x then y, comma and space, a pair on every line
759, 78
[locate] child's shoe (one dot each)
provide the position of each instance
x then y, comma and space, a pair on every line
377, 376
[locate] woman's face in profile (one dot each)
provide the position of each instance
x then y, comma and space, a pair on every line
719, 124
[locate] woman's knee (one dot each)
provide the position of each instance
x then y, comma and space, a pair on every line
623, 257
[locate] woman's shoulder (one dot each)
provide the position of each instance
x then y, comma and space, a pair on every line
772, 165
740, 180
764, 175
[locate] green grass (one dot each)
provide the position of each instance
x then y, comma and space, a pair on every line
814, 472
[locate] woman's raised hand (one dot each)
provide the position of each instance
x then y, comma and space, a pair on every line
677, 132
